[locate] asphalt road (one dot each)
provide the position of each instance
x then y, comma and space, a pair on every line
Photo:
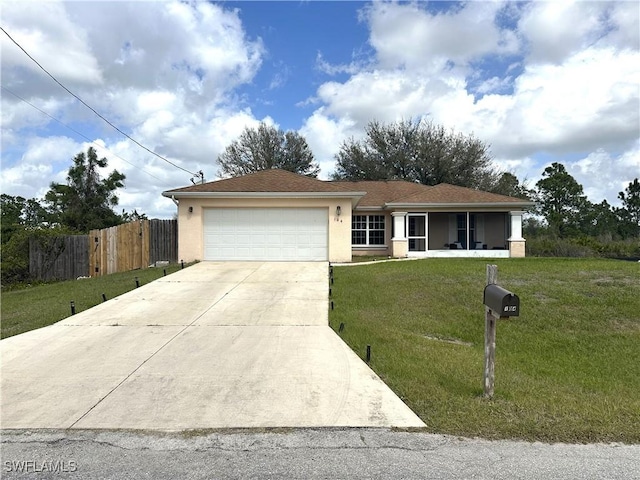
354, 453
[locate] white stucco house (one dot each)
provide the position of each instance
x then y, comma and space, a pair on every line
279, 215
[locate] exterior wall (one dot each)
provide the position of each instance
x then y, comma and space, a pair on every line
380, 250
191, 224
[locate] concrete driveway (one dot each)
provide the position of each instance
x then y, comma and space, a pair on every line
217, 345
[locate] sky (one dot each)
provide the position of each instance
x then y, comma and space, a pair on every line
540, 82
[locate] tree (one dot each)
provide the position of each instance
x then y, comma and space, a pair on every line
19, 213
268, 147
133, 216
11, 210
629, 214
419, 152
561, 201
86, 201
509, 185
599, 220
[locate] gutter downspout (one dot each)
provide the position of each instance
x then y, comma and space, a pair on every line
173, 198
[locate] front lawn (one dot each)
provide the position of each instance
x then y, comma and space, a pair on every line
41, 305
567, 369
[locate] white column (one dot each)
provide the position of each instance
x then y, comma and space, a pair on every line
399, 242
399, 229
426, 232
516, 226
468, 232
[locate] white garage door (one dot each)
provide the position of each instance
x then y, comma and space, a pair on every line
265, 234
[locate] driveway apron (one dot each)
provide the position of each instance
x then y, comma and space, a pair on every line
216, 345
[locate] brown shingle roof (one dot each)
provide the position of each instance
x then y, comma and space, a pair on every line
273, 180
381, 192
378, 193
445, 193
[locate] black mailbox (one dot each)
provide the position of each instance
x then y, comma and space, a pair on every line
501, 302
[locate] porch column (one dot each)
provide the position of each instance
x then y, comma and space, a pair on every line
516, 242
468, 232
399, 243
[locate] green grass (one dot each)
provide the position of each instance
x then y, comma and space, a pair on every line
567, 369
41, 305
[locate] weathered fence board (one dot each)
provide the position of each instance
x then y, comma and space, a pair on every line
132, 246
163, 241
59, 258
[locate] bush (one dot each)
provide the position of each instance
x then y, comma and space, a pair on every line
15, 258
548, 246
15, 253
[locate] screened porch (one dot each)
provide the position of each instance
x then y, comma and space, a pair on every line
463, 234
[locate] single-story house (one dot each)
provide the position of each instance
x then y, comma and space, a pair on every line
279, 215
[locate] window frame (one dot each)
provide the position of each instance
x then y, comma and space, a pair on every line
369, 221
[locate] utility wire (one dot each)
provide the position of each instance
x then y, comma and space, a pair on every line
78, 133
197, 174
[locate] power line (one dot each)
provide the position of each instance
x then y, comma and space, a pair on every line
197, 174
78, 133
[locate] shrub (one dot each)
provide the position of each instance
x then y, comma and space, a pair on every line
548, 246
15, 253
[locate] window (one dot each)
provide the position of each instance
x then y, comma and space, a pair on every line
367, 230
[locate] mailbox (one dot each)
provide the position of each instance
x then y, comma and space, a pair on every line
501, 302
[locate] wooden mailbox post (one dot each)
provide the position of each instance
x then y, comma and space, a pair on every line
499, 303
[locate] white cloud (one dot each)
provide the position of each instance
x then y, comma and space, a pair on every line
324, 136
385, 95
165, 72
44, 29
494, 84
559, 79
408, 35
589, 101
351, 68
575, 91
614, 173
45, 160
556, 30
198, 51
624, 18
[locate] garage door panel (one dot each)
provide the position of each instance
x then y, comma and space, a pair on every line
265, 234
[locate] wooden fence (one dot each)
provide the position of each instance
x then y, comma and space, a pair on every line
130, 246
163, 241
59, 258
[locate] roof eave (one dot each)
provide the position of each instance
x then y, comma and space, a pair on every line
370, 208
354, 196
508, 205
